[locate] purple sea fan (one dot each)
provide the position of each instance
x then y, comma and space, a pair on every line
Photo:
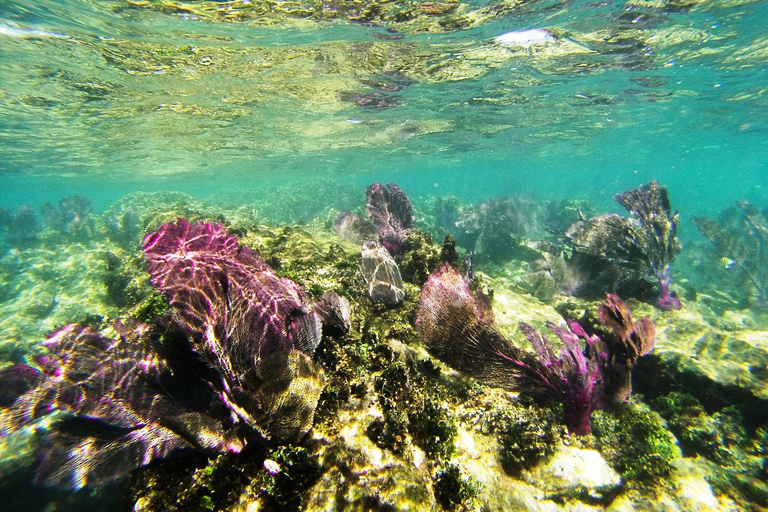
121, 404
232, 366
459, 329
229, 296
241, 317
616, 252
628, 340
392, 212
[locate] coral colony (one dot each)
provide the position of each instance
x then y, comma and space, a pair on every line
392, 213
619, 253
459, 329
231, 365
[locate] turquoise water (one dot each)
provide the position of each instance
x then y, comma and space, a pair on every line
277, 113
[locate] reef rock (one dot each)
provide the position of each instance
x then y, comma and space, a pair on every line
381, 273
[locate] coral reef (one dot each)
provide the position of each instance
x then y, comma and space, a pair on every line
460, 330
392, 428
617, 253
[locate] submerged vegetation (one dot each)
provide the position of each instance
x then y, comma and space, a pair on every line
269, 366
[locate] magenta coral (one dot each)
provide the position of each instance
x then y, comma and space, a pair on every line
229, 296
392, 212
460, 330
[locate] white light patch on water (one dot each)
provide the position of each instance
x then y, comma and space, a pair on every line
526, 38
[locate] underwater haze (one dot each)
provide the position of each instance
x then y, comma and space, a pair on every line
384, 255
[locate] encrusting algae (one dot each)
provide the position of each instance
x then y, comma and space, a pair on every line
375, 422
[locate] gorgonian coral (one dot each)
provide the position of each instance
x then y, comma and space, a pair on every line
616, 253
459, 329
392, 215
232, 365
392, 212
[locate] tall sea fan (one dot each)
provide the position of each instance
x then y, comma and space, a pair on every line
618, 253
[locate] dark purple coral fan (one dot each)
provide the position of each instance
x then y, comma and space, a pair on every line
392, 215
459, 329
392, 212
231, 366
617, 253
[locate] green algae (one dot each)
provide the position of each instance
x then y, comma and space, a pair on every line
452, 489
635, 442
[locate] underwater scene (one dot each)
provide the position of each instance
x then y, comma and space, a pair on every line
377, 255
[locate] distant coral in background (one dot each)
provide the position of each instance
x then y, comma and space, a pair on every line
392, 215
497, 229
232, 364
73, 216
381, 273
494, 228
552, 275
460, 330
392, 212
19, 227
618, 254
124, 227
740, 241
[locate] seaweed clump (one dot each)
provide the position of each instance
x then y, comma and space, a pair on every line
618, 254
452, 489
635, 442
722, 438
